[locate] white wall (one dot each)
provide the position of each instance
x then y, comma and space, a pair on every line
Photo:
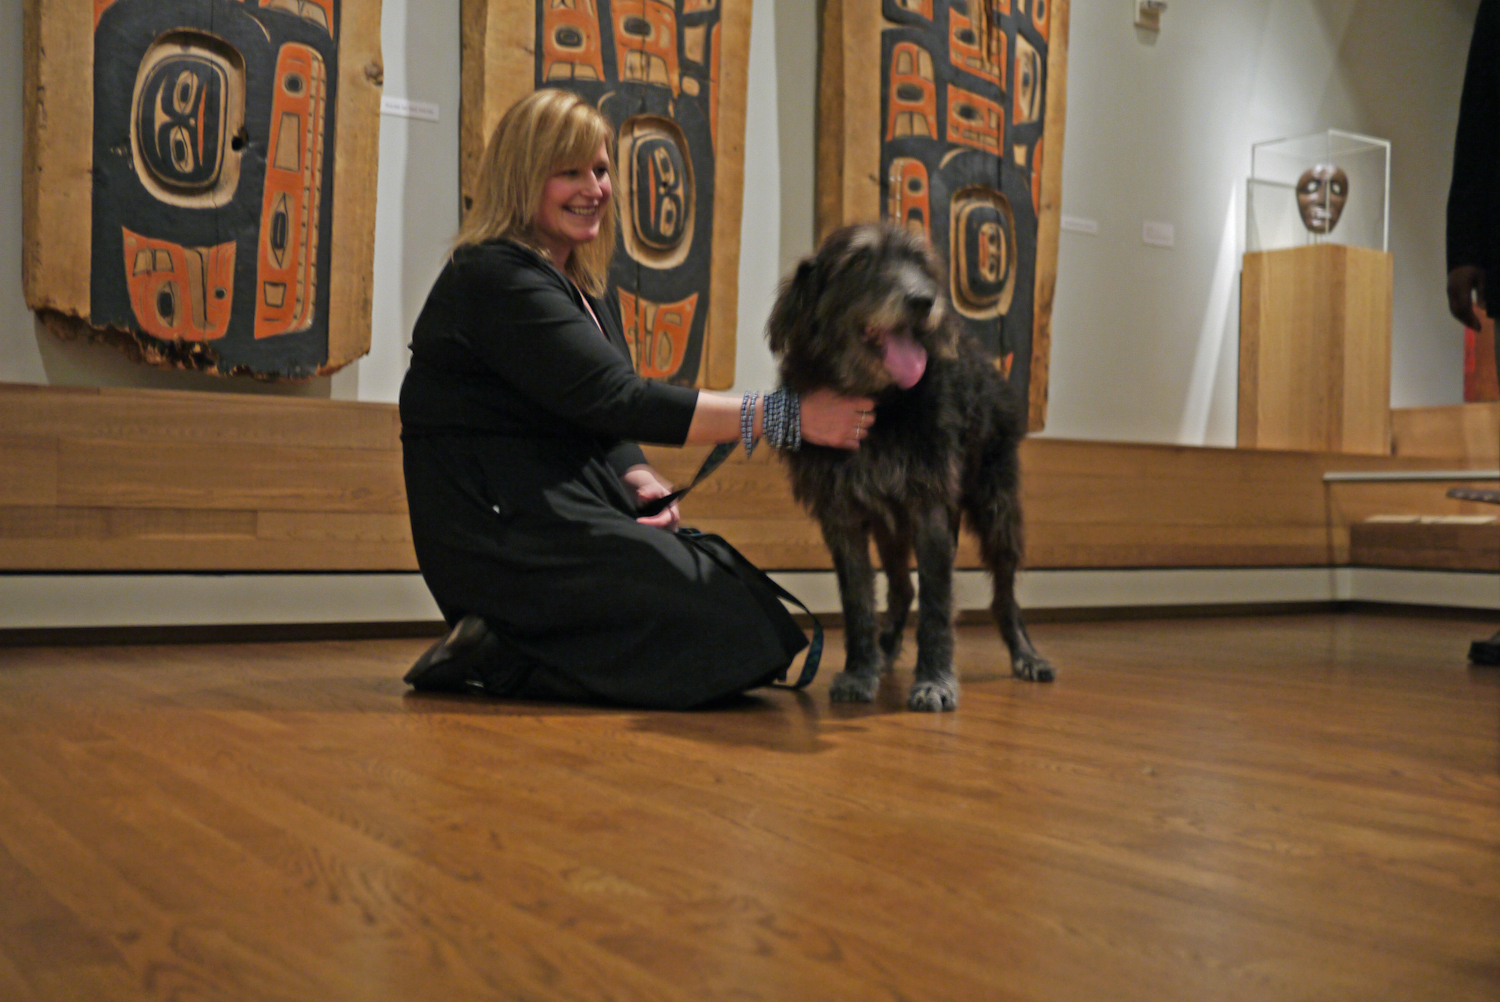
417, 201
1144, 340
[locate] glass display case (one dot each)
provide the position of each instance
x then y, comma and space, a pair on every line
1326, 187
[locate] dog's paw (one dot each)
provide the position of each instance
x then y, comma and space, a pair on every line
850, 688
934, 697
1033, 668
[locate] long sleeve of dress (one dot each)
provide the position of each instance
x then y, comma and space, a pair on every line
527, 327
506, 344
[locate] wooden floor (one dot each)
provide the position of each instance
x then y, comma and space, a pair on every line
1290, 808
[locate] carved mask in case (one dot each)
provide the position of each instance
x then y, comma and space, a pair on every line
1321, 193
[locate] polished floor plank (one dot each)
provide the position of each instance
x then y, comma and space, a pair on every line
1297, 807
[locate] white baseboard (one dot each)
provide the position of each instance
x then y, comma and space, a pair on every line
46, 601
58, 601
1104, 589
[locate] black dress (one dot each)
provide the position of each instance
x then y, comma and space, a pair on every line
518, 418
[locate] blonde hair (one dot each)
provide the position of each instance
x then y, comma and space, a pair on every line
547, 131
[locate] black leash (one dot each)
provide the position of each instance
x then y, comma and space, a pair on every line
814, 649
713, 462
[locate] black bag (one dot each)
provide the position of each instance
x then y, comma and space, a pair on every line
768, 592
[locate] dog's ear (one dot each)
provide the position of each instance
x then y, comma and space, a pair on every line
795, 305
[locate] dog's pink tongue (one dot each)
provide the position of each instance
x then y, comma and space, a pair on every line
905, 360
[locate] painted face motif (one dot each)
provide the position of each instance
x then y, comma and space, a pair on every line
660, 207
1321, 193
181, 121
983, 234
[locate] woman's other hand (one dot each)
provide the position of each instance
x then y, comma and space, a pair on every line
648, 485
1465, 287
840, 422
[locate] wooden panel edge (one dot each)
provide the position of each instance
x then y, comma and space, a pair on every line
720, 348
1050, 220
828, 167
30, 84
863, 24
355, 177
473, 23
1252, 267
57, 156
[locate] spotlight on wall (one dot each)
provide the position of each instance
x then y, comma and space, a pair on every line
1148, 14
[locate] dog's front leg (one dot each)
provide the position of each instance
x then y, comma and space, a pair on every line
936, 687
860, 679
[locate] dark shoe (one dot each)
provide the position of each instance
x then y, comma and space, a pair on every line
1485, 652
447, 665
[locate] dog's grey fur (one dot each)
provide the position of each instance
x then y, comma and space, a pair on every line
943, 447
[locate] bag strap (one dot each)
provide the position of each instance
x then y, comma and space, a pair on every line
713, 462
814, 648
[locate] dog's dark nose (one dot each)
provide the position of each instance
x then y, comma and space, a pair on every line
919, 304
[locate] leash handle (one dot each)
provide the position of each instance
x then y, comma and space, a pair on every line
713, 462
814, 648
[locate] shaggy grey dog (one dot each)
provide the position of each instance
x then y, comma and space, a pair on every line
865, 315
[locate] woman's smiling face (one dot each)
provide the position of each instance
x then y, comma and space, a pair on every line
574, 201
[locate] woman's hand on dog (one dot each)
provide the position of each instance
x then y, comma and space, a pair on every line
836, 421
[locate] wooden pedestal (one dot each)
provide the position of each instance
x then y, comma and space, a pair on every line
1315, 350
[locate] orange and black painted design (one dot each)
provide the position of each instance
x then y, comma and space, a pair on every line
213, 135
912, 94
179, 293
1041, 17
286, 278
646, 43
99, 8
571, 48
974, 120
982, 252
317, 12
977, 46
909, 204
657, 332
963, 107
656, 79
1027, 93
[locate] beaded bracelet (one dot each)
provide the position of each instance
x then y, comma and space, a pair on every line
747, 422
782, 425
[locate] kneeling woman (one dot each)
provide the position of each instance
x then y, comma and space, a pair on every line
520, 415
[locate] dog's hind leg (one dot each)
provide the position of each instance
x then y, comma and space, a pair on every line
936, 687
893, 543
860, 679
998, 526
1025, 662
